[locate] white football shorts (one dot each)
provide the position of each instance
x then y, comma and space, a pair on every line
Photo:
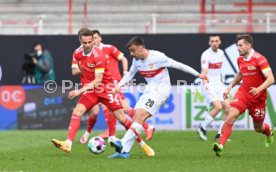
151, 101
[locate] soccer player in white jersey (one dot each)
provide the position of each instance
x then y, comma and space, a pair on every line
211, 63
152, 65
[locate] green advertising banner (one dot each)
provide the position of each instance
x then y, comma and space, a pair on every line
195, 108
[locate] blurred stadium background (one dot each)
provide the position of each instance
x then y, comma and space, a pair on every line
180, 28
34, 17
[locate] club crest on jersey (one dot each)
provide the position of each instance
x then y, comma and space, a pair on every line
151, 67
90, 65
251, 67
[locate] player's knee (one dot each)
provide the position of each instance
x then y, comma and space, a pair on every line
95, 112
140, 116
258, 129
218, 107
126, 109
79, 111
226, 110
232, 116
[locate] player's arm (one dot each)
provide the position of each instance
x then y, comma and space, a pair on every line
76, 71
120, 56
267, 72
236, 80
94, 84
268, 82
127, 78
204, 71
75, 67
124, 62
168, 62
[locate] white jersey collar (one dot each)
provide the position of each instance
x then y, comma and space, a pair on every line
249, 56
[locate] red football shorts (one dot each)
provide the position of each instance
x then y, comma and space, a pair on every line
256, 107
110, 100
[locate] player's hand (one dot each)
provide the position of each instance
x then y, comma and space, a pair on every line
254, 91
117, 89
226, 93
73, 94
203, 76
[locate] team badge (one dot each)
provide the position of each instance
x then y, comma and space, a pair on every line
251, 67
151, 67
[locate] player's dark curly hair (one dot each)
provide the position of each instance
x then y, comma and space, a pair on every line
246, 37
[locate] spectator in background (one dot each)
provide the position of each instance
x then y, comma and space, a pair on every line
44, 64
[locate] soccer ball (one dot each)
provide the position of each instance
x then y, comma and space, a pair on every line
96, 145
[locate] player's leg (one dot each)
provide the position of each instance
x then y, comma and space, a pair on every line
149, 129
108, 120
265, 129
124, 145
147, 105
209, 119
238, 105
257, 111
234, 113
92, 119
226, 108
86, 101
111, 122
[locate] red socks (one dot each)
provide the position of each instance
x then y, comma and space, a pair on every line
90, 123
225, 133
266, 129
73, 127
131, 112
111, 124
127, 124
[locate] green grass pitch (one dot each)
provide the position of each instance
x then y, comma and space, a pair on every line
28, 151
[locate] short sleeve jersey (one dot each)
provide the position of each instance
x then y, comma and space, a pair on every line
213, 62
92, 63
154, 69
252, 70
112, 55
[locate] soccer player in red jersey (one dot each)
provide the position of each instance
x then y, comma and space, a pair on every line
256, 76
113, 55
98, 88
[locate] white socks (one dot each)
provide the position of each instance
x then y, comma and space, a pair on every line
130, 137
208, 120
69, 142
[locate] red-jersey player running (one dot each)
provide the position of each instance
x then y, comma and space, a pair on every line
256, 76
98, 82
113, 55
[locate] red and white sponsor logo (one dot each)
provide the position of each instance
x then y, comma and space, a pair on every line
12, 97
215, 65
150, 73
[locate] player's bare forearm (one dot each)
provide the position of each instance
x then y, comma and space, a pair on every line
236, 80
268, 82
124, 64
94, 84
76, 71
204, 71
